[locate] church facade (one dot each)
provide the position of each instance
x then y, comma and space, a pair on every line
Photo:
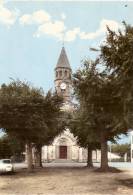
64, 147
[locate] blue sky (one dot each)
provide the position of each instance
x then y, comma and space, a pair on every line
32, 32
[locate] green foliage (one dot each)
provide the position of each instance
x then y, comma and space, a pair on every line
5, 149
83, 130
121, 149
99, 101
10, 147
116, 54
27, 114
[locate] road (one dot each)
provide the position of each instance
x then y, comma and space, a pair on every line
120, 165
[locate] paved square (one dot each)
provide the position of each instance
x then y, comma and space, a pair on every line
54, 180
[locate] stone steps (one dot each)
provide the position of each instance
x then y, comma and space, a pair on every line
62, 161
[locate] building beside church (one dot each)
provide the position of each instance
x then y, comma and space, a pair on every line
64, 146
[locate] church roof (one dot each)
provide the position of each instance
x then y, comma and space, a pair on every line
63, 61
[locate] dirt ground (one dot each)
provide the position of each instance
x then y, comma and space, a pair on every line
67, 181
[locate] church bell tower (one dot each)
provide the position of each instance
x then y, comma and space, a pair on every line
63, 73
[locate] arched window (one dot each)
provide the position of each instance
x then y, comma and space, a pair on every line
56, 73
65, 73
60, 73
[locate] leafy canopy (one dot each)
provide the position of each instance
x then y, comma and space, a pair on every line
27, 114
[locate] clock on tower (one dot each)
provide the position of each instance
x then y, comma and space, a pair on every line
63, 86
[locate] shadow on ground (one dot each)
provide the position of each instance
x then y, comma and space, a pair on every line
69, 180
126, 182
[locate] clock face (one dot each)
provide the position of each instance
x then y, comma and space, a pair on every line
63, 85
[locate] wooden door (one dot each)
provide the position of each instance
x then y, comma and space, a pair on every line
63, 152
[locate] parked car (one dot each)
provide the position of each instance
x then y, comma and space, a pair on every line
6, 166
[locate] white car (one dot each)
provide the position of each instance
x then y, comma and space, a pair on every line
6, 166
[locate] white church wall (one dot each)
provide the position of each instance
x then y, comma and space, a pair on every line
94, 156
50, 153
131, 140
69, 152
75, 153
80, 155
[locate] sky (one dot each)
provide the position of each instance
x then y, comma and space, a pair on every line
32, 34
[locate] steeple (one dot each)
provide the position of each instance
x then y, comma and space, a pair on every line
63, 76
63, 61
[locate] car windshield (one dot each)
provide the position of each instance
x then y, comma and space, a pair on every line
6, 161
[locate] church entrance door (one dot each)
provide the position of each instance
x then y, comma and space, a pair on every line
63, 152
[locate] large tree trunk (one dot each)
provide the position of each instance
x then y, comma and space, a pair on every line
89, 157
104, 152
38, 156
29, 157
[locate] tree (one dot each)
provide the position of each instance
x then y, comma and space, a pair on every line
121, 149
5, 149
54, 120
83, 130
10, 147
26, 114
97, 91
116, 55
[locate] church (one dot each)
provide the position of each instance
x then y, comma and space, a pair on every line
64, 147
